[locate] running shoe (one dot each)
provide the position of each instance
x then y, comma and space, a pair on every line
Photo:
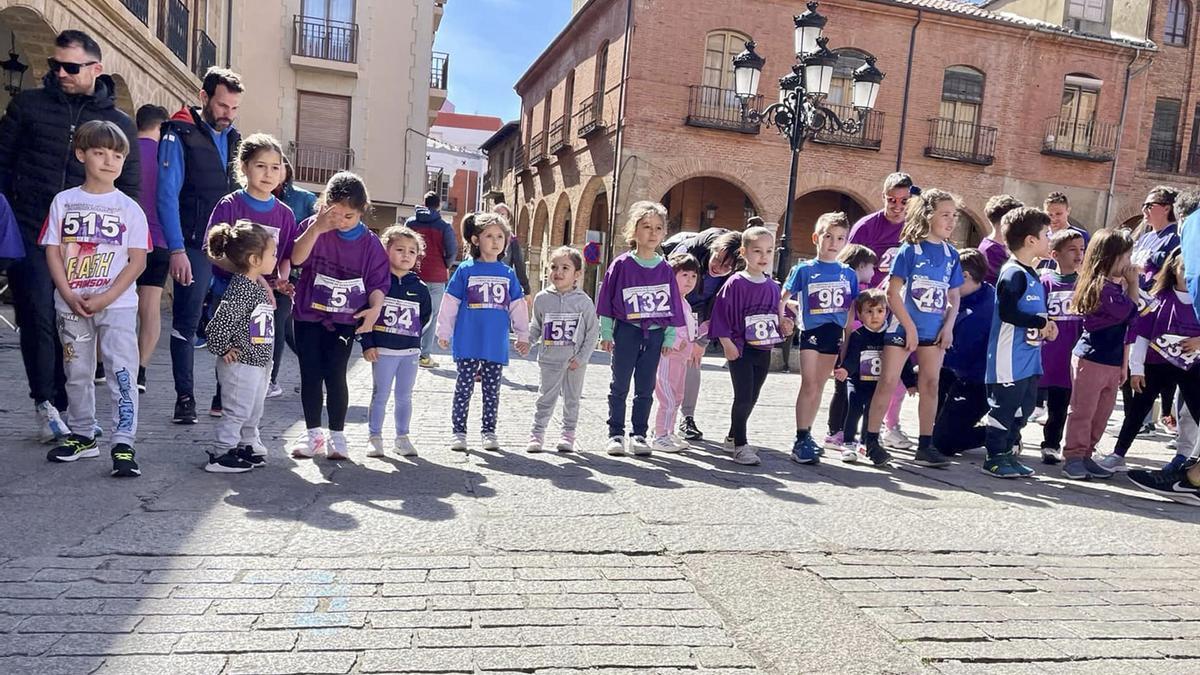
73, 448
1001, 466
689, 430
404, 447
490, 442
274, 390
185, 410
745, 455
1038, 416
638, 446
1084, 469
663, 444
50, 423
375, 446
337, 450
615, 446
877, 455
850, 452
1051, 456
930, 458
566, 444
1173, 485
834, 442
534, 445
459, 443
427, 362
251, 456
201, 342
678, 442
228, 462
804, 450
309, 446
896, 440
124, 465
1113, 463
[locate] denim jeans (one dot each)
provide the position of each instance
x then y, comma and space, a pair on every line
436, 291
635, 356
33, 302
185, 317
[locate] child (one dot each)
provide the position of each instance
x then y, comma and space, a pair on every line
340, 293
673, 367
827, 289
564, 320
1165, 354
1106, 297
479, 306
393, 346
862, 260
747, 317
1066, 250
993, 247
1058, 206
965, 366
859, 370
96, 240
259, 172
242, 337
150, 284
1014, 356
640, 309
923, 296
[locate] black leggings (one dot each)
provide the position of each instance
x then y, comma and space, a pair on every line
748, 374
283, 329
956, 428
837, 407
1058, 401
324, 355
1159, 376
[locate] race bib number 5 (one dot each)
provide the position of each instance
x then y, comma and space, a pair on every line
262, 325
338, 296
485, 292
928, 295
1170, 347
828, 297
400, 317
762, 330
558, 330
647, 302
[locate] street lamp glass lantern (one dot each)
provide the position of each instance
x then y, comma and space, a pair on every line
14, 72
809, 27
747, 70
818, 69
866, 85
787, 84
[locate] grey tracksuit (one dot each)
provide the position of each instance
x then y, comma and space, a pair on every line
566, 326
115, 330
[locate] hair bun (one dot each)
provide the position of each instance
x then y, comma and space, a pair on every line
914, 191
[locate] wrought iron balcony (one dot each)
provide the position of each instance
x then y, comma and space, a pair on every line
1089, 140
715, 108
1163, 156
439, 75
961, 141
173, 19
205, 54
520, 161
590, 117
317, 163
869, 137
537, 150
139, 8
319, 38
559, 137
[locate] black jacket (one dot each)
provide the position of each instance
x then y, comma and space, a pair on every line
699, 244
36, 161
409, 288
205, 179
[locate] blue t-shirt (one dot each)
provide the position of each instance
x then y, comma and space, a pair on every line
827, 291
929, 271
1014, 350
484, 291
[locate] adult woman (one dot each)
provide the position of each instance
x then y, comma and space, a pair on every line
513, 255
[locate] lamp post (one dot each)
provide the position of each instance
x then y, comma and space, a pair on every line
800, 114
14, 72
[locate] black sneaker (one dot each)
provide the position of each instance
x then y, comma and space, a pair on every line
99, 378
141, 381
124, 465
877, 455
75, 447
689, 430
1173, 485
930, 457
230, 462
246, 454
185, 410
215, 410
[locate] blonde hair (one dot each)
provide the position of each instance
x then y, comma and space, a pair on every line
639, 212
828, 221
755, 233
390, 235
920, 211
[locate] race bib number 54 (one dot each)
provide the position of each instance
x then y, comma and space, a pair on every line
400, 317
647, 302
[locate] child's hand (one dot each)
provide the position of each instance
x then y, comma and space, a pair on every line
910, 338
572, 364
788, 326
666, 351
1191, 344
731, 351
1132, 274
368, 316
231, 356
523, 348
945, 338
606, 345
1137, 383
284, 286
77, 304
324, 220
840, 374
1050, 331
444, 344
98, 303
371, 354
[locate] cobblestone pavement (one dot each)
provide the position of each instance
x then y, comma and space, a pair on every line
508, 562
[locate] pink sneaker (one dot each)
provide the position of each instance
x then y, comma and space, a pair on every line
833, 442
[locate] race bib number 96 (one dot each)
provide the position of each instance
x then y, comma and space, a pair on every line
762, 330
647, 302
828, 297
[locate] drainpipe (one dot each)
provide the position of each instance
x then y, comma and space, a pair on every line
912, 45
620, 140
1130, 73
229, 34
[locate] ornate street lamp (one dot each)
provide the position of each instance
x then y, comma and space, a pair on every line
800, 114
14, 72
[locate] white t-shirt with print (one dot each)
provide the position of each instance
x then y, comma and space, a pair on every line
94, 233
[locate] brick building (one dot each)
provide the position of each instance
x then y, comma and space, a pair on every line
1018, 96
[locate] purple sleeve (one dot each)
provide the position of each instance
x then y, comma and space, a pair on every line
678, 316
721, 326
376, 273
604, 305
287, 234
221, 214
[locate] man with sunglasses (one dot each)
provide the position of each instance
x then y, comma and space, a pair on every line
36, 163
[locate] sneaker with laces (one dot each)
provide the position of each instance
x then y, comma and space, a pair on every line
1051, 455
311, 445
259, 449
930, 458
678, 442
728, 445
274, 390
73, 448
227, 462
663, 444
1148, 430
124, 465
895, 439
638, 446
615, 446
1113, 463
185, 410
50, 423
566, 444
745, 455
375, 446
1000, 466
249, 455
427, 362
216, 410
99, 378
1022, 470
490, 442
877, 455
337, 449
850, 452
534, 445
1084, 469
404, 447
141, 380
459, 443
804, 450
200, 342
834, 442
689, 431
1172, 484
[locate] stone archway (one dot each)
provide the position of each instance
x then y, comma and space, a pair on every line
664, 178
124, 96
809, 206
586, 214
538, 238
702, 202
523, 225
970, 229
33, 41
560, 224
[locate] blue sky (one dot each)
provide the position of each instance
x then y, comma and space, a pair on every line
491, 43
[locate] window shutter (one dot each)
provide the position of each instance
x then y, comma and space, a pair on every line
324, 121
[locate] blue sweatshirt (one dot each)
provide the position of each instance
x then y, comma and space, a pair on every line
968, 356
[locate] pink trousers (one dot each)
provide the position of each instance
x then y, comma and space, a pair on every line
668, 392
1092, 401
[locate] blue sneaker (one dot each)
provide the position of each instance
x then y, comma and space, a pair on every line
1022, 470
805, 451
201, 342
1175, 464
1001, 466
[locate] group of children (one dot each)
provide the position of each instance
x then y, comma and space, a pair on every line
989, 335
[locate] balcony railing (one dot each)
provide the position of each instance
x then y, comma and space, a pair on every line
715, 108
317, 163
590, 116
961, 141
559, 138
520, 160
537, 149
319, 38
205, 54
1163, 156
439, 74
173, 19
870, 136
139, 8
1091, 141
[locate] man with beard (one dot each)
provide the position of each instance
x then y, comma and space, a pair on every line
195, 169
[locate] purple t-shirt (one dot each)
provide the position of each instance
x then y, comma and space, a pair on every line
880, 235
1103, 338
272, 215
647, 296
996, 254
148, 150
1166, 327
1056, 354
1150, 251
339, 276
747, 312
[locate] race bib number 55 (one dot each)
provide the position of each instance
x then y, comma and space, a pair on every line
558, 330
647, 302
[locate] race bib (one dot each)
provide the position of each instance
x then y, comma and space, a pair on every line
829, 297
885, 261
1146, 303
1170, 347
762, 330
870, 365
400, 317
1033, 337
485, 292
929, 295
271, 230
558, 330
262, 325
92, 228
647, 302
338, 296
1058, 303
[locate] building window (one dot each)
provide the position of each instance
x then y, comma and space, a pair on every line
1089, 16
1163, 152
568, 98
602, 69
1176, 31
332, 11
1077, 113
962, 94
841, 90
322, 137
719, 49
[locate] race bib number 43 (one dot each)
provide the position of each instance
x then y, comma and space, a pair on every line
338, 296
762, 330
647, 302
558, 330
262, 325
487, 292
928, 295
400, 317
828, 297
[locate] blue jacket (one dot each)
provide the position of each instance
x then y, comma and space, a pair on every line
411, 289
1189, 244
968, 356
195, 169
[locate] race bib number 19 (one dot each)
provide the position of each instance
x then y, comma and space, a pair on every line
338, 296
485, 292
647, 302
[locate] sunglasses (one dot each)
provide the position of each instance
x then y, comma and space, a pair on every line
67, 66
895, 201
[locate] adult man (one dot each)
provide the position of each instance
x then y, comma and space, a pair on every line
716, 249
195, 169
441, 249
36, 163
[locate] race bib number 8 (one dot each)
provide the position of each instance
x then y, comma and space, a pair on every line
928, 295
870, 365
1170, 347
828, 297
647, 302
762, 330
262, 325
558, 330
487, 292
400, 317
338, 296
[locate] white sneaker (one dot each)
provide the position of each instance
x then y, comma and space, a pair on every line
376, 446
1038, 416
1052, 456
678, 442
896, 440
849, 453
638, 446
664, 444
1113, 462
337, 447
745, 455
274, 390
404, 447
565, 445
535, 444
311, 445
490, 442
52, 426
459, 443
615, 446
259, 449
